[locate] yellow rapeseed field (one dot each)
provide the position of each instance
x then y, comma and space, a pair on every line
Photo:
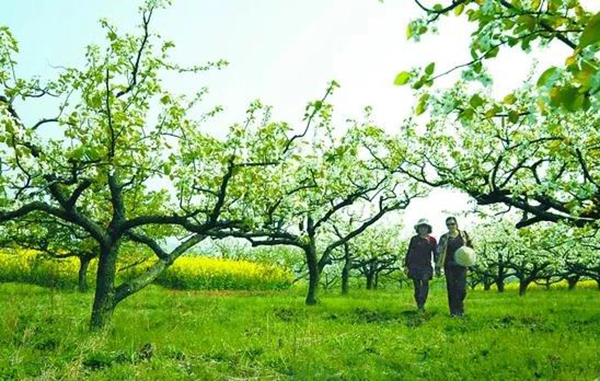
206, 273
199, 273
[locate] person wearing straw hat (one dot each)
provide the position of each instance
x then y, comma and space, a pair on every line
455, 267
422, 249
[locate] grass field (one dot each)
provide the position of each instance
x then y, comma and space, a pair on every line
162, 334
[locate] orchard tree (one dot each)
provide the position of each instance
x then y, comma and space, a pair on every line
377, 253
373, 253
588, 264
340, 225
545, 165
523, 24
494, 253
544, 254
530, 260
122, 142
577, 252
330, 277
324, 178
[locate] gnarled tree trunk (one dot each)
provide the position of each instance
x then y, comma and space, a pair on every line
523, 284
104, 298
370, 280
346, 270
500, 284
84, 263
572, 281
313, 275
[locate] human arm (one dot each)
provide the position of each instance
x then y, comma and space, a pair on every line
441, 252
468, 241
408, 252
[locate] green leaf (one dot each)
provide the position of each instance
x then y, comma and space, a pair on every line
93, 153
476, 101
417, 85
584, 77
402, 78
467, 114
167, 168
544, 79
459, 9
591, 33
527, 21
493, 53
492, 112
96, 100
513, 116
510, 99
430, 68
422, 106
569, 98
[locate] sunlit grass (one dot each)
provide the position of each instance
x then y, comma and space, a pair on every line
166, 334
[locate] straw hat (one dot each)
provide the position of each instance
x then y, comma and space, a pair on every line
421, 222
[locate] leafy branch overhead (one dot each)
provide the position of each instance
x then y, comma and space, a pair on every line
505, 24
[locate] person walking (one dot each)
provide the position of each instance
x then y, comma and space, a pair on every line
456, 275
422, 251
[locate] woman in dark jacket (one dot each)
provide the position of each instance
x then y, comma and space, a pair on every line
456, 275
422, 250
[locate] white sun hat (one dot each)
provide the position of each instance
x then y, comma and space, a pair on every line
465, 256
423, 221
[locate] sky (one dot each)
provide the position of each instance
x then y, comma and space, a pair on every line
282, 52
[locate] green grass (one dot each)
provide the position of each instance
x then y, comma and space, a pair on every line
552, 335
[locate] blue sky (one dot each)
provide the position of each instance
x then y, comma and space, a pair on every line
281, 51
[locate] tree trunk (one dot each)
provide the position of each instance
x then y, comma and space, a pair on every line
572, 281
84, 263
523, 287
346, 272
104, 297
487, 286
500, 285
345, 277
313, 275
370, 279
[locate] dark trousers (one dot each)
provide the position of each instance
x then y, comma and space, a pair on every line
421, 291
456, 283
